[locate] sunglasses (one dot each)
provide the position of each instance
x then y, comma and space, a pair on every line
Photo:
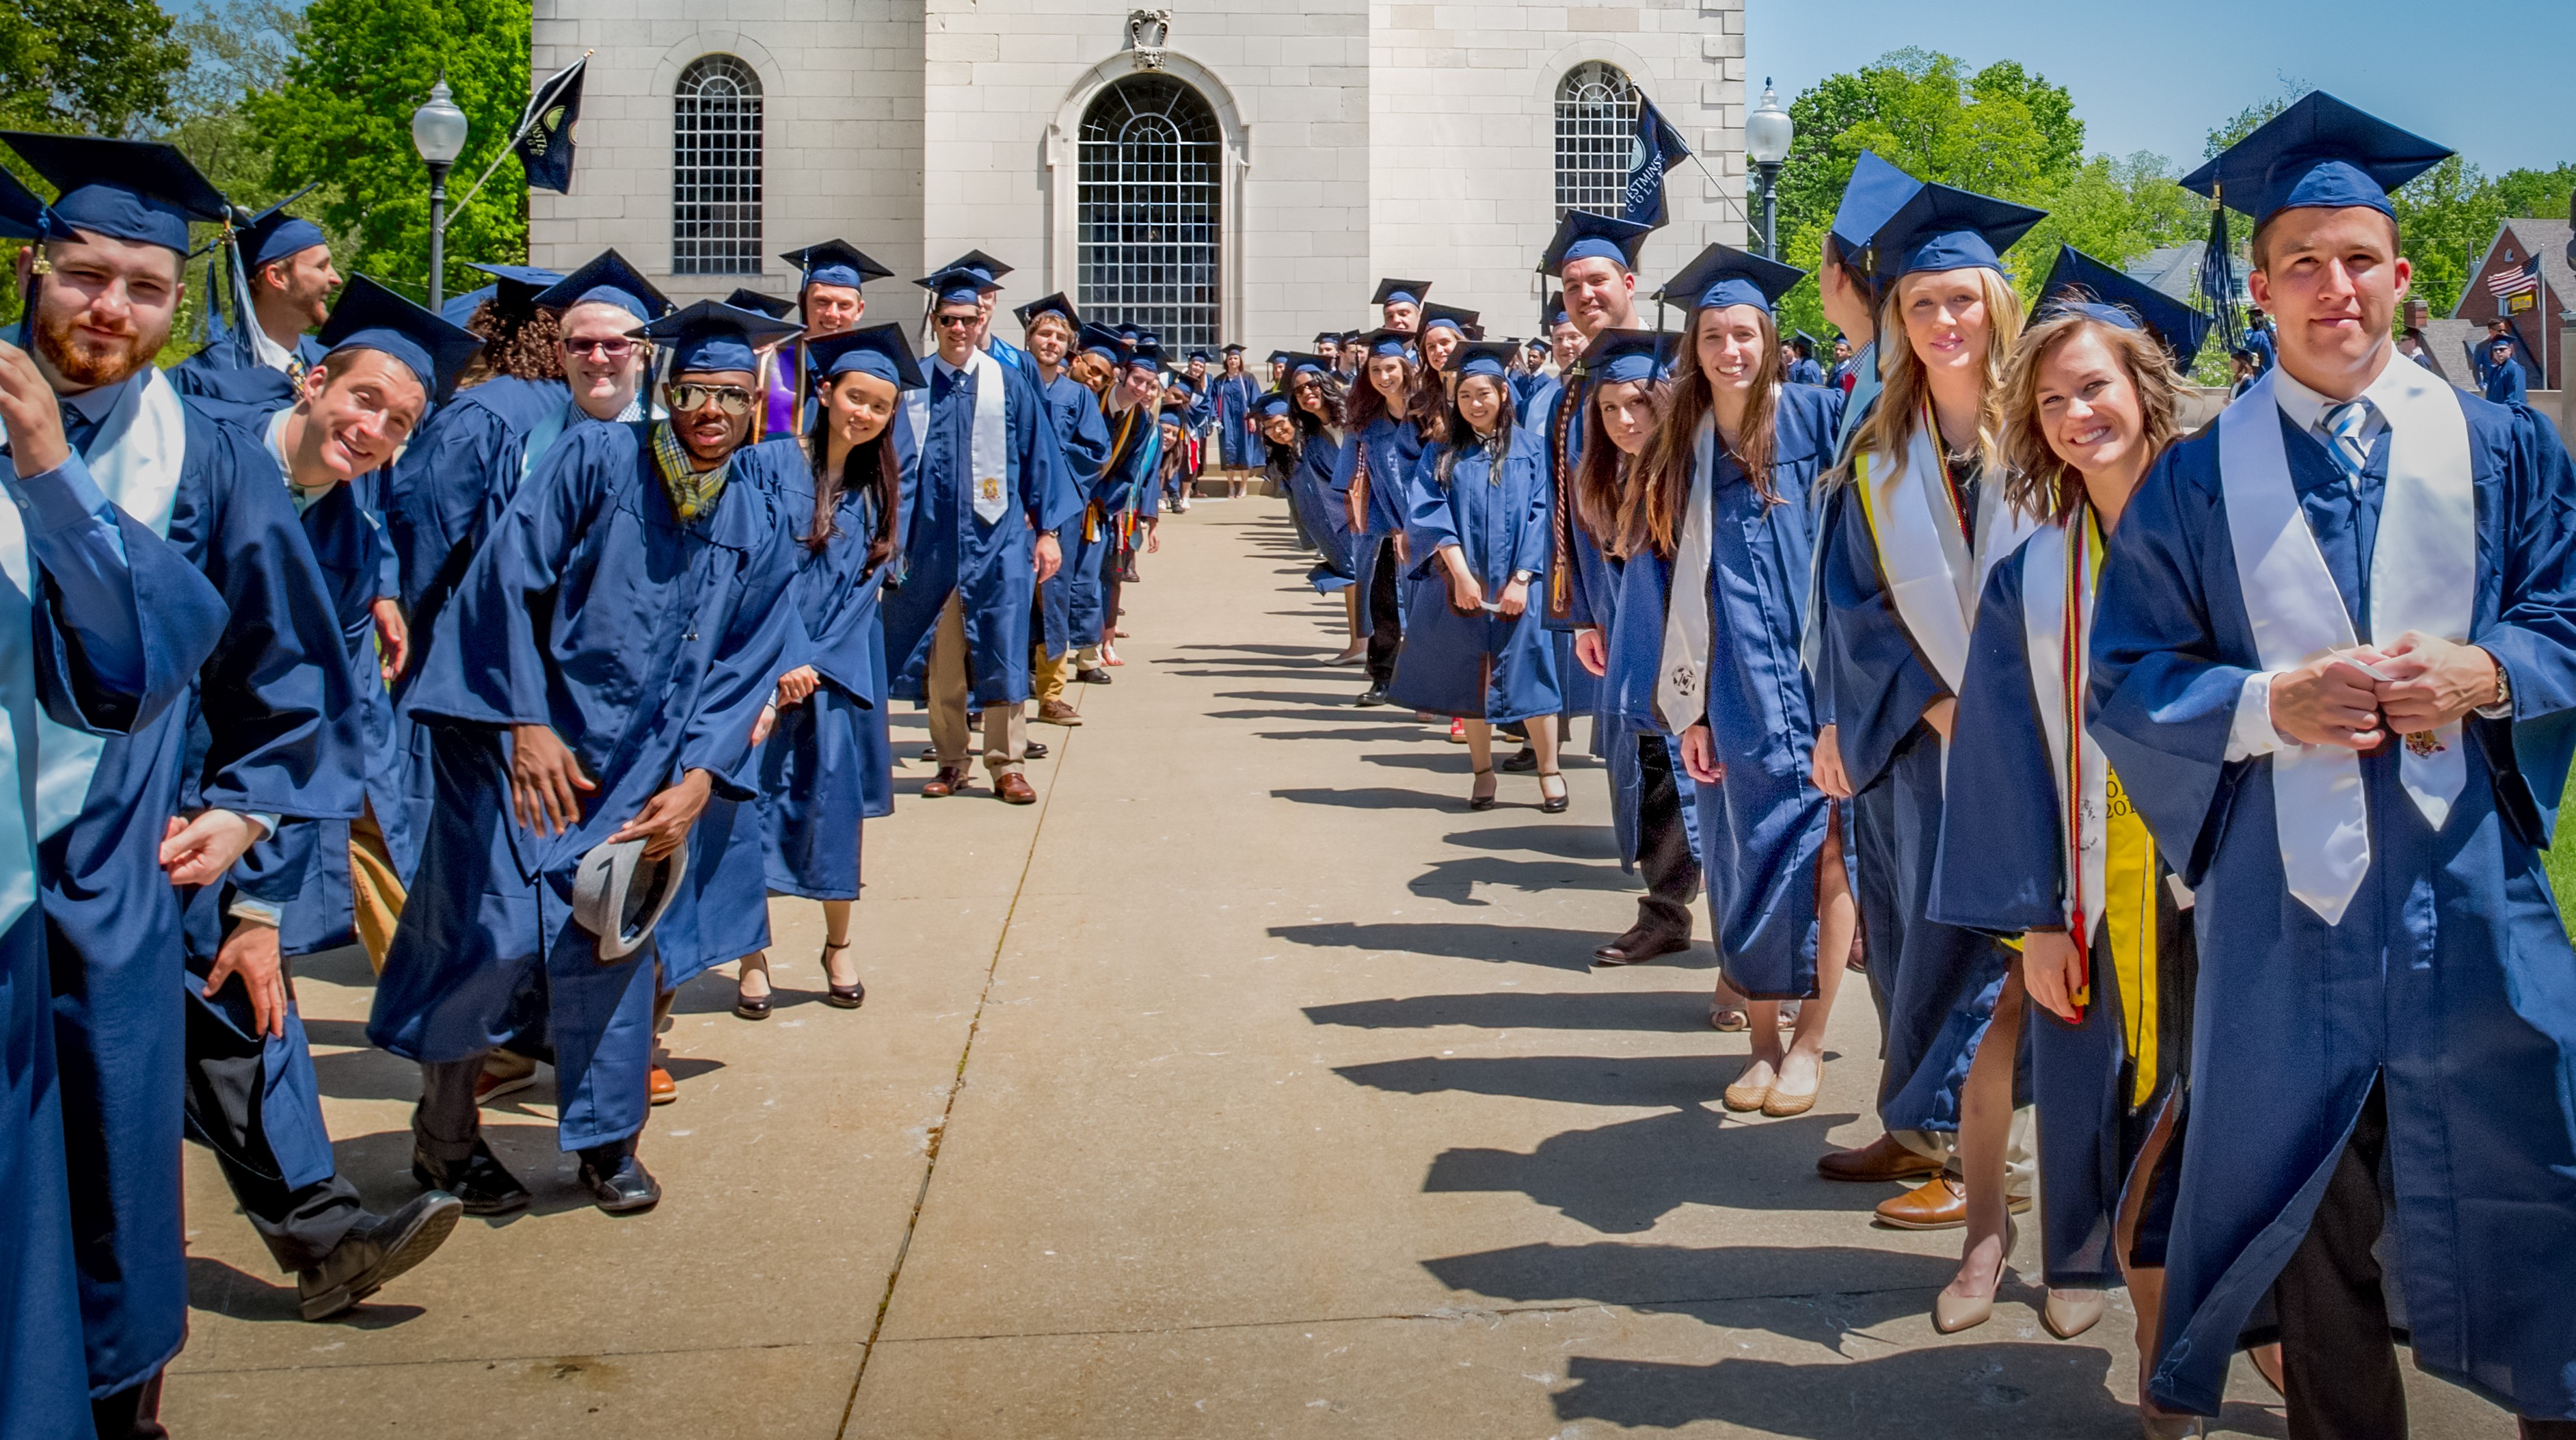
957, 322
617, 349
731, 399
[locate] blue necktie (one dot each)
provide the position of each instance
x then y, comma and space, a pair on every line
2344, 423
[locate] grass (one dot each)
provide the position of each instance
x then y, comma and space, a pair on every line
2561, 861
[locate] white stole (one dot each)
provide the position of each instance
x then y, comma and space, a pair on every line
989, 444
2045, 582
1681, 694
2423, 574
135, 461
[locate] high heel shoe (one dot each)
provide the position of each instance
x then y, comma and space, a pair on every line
838, 996
1480, 798
2069, 1313
1954, 1313
1553, 804
2171, 1427
753, 1007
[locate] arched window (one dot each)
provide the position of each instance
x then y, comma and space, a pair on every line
1596, 127
1152, 160
715, 169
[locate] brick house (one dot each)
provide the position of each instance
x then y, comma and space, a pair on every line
2536, 325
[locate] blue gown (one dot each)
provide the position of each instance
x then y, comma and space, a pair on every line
1762, 831
1394, 447
273, 735
1555, 416
949, 551
1482, 666
164, 603
1238, 448
218, 372
544, 631
1070, 599
1321, 511
2449, 982
814, 767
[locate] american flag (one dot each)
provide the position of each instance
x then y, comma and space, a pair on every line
2517, 280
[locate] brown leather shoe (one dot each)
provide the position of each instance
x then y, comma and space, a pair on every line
659, 1087
1939, 1203
1879, 1160
949, 780
1014, 789
1056, 712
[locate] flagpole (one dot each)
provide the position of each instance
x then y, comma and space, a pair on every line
526, 123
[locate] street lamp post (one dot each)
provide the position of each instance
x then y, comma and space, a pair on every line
438, 133
1767, 135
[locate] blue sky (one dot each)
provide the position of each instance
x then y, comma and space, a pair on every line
2159, 76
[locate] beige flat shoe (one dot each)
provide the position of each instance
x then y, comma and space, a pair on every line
1780, 1104
1744, 1096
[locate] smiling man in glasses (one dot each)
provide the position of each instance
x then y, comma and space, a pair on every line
595, 680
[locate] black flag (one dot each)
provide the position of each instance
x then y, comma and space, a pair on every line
545, 130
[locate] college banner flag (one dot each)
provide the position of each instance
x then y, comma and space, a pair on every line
1658, 148
545, 129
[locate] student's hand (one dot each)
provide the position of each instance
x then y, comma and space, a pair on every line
764, 722
1403, 549
1941, 714
665, 820
28, 408
2054, 973
199, 851
251, 953
1514, 599
1827, 767
2432, 682
796, 685
1050, 558
1153, 539
1591, 651
546, 781
1699, 756
2329, 701
393, 637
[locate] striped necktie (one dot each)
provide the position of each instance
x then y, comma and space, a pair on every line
2344, 424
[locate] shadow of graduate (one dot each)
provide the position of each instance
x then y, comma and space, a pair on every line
1621, 1179
219, 1289
1456, 880
1683, 1082
1817, 1293
1367, 797
1556, 949
1566, 842
1672, 1012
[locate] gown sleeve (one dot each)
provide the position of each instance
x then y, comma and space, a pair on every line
1086, 450
1879, 683
2534, 634
747, 664
1530, 527
1046, 491
1429, 523
121, 620
2000, 869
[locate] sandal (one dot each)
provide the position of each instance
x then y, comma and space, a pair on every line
1728, 1018
835, 994
1480, 797
1553, 804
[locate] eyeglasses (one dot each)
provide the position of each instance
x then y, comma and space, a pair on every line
957, 322
731, 399
617, 349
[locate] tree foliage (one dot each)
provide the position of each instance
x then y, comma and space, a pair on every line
2448, 215
102, 66
342, 116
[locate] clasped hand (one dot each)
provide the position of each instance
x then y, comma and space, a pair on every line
2353, 698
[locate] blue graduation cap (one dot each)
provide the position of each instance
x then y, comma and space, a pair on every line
1328, 337
2321, 153
988, 270
879, 350
1147, 354
25, 217
1400, 292
1128, 334
1723, 275
1535, 342
1272, 402
1300, 366
1620, 357
1871, 198
1583, 235
1386, 342
710, 336
1279, 357
514, 287
135, 190
1054, 304
370, 317
1462, 321
957, 285
274, 235
1234, 349
607, 280
1946, 228
1556, 309
776, 307
1102, 341
834, 262
1200, 357
1482, 357
2080, 284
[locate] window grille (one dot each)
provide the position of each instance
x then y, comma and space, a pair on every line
1151, 169
715, 169
1596, 129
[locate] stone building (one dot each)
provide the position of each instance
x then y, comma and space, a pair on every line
1225, 170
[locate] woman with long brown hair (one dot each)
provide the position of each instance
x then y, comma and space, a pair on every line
828, 763
1316, 399
1371, 474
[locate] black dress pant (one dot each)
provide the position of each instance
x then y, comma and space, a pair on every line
227, 1081
1386, 618
2338, 1365
1663, 844
133, 1413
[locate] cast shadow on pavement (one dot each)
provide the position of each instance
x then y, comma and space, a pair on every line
1456, 880
1817, 1293
1673, 1012
1566, 842
1554, 948
219, 1289
1621, 1179
1372, 797
1683, 1082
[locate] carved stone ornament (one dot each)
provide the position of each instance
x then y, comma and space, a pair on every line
1147, 30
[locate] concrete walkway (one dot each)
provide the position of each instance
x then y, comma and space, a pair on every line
1247, 1085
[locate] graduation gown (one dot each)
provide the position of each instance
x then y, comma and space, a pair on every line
815, 766
167, 605
1069, 601
2099, 1087
2449, 982
949, 551
1761, 831
273, 736
1482, 666
1555, 416
1625, 601
1393, 448
545, 630
219, 371
1321, 511
1237, 446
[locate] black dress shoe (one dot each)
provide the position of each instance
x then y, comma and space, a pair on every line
375, 1250
1520, 762
1640, 944
1092, 675
480, 1180
619, 1183
1034, 750
1372, 697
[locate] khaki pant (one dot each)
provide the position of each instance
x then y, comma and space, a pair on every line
375, 890
1006, 727
1052, 675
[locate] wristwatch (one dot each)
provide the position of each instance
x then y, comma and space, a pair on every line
1523, 577
2502, 709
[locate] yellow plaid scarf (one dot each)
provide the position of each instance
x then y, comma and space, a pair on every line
692, 493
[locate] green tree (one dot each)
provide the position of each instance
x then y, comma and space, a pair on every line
103, 66
343, 117
2447, 216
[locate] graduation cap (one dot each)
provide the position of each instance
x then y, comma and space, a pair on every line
1328, 337
2320, 152
514, 287
1620, 357
2080, 284
1535, 342
1054, 304
1946, 228
1400, 292
834, 262
1871, 198
957, 285
1482, 357
878, 350
1147, 354
710, 336
1723, 275
25, 217
1200, 357
1279, 357
1232, 350
1555, 310
989, 269
1102, 341
1462, 321
1387, 342
1298, 365
1272, 402
1583, 235
1806, 342
774, 306
274, 235
135, 190
1128, 333
370, 317
607, 280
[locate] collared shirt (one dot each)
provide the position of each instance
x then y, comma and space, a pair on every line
302, 497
